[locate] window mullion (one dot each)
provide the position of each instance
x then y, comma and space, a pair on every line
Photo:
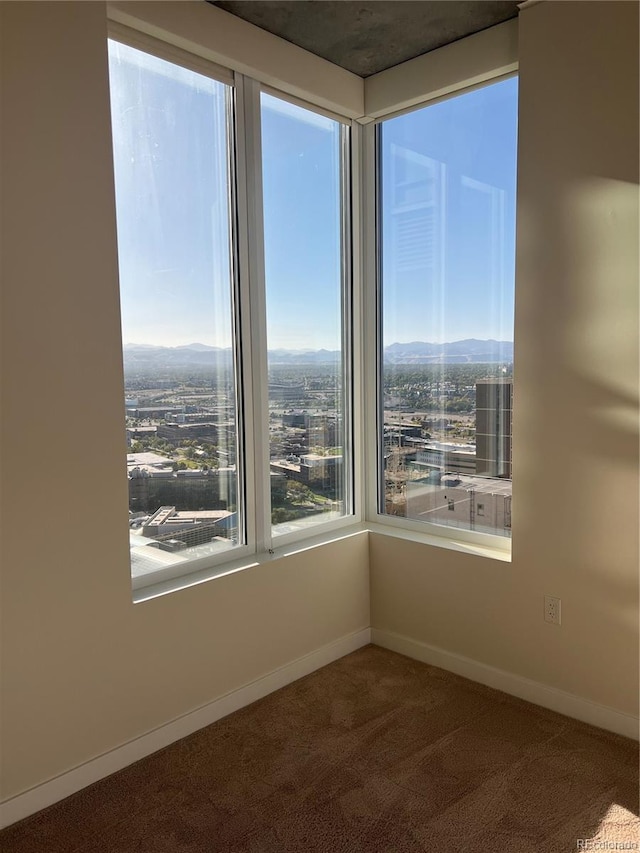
356, 329
252, 319
371, 377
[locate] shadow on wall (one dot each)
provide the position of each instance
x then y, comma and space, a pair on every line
582, 401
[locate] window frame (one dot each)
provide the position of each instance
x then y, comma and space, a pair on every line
473, 62
352, 514
245, 548
249, 327
373, 346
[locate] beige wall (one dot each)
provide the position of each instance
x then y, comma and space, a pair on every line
84, 669
575, 497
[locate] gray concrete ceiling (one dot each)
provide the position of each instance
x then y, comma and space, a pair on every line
367, 37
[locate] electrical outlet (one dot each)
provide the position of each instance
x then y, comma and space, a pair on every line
552, 609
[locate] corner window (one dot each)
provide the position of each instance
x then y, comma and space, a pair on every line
202, 490
447, 258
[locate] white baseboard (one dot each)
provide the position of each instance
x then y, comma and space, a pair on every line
62, 786
532, 691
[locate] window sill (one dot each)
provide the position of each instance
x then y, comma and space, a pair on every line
473, 545
246, 562
476, 548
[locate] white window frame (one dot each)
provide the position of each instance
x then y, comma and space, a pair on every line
437, 534
174, 32
213, 564
250, 333
350, 320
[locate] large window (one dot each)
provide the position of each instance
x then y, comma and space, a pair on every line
173, 200
234, 242
447, 247
304, 171
198, 315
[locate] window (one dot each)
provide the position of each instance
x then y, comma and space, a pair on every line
197, 496
234, 241
173, 201
305, 223
446, 202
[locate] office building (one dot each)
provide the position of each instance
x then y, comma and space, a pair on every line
494, 427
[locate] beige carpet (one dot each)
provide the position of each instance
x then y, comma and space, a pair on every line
373, 753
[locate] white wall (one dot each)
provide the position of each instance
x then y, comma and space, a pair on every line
83, 669
575, 492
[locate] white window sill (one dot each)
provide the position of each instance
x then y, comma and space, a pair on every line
474, 546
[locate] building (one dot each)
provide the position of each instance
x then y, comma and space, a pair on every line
494, 427
153, 412
463, 502
397, 434
286, 393
187, 528
73, 642
138, 432
219, 415
177, 433
441, 456
320, 471
304, 430
312, 469
150, 487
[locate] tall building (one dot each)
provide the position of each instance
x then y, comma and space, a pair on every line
493, 427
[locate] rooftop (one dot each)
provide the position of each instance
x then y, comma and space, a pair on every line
147, 458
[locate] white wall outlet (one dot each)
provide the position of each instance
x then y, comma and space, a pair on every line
552, 609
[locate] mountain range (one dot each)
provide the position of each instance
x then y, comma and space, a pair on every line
469, 351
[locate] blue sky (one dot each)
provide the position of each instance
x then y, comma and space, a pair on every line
172, 202
448, 217
301, 192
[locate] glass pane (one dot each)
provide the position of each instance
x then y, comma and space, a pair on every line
302, 189
172, 195
448, 184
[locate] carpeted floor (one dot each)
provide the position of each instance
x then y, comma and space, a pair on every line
373, 753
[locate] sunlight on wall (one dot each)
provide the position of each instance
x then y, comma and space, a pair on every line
600, 219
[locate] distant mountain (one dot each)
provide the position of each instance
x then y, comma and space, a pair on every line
198, 347
470, 351
293, 356
202, 355
147, 355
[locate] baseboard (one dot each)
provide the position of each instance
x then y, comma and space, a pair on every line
532, 691
68, 783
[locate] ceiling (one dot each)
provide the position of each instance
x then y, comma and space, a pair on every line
367, 37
